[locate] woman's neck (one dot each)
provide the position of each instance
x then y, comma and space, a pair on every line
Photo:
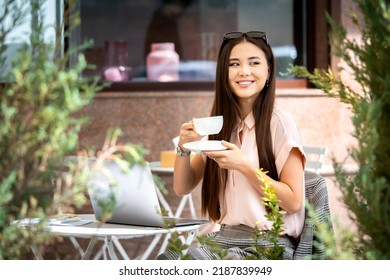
246, 106
245, 111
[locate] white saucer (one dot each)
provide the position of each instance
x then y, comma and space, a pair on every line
203, 146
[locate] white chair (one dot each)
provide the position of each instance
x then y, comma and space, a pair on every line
315, 157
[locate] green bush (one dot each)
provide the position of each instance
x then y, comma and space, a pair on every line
38, 129
366, 193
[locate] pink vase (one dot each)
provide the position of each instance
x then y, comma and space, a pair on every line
117, 67
163, 63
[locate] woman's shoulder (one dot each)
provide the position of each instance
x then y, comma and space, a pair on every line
281, 116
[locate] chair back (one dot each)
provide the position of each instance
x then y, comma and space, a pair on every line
316, 192
315, 157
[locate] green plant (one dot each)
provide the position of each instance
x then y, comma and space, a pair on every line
176, 244
36, 130
39, 130
274, 214
212, 244
366, 87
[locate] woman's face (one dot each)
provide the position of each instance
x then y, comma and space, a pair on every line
248, 71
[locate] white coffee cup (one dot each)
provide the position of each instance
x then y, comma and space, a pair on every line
208, 125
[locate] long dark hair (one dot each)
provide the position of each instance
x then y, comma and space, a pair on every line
226, 104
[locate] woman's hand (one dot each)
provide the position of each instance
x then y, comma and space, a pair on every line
187, 134
232, 158
188, 170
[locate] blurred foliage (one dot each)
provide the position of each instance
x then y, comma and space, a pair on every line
177, 244
39, 133
362, 80
275, 215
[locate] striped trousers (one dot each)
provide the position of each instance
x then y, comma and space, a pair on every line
234, 242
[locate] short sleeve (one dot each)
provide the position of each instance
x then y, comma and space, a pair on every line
285, 137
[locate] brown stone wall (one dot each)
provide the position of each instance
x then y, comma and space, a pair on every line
152, 119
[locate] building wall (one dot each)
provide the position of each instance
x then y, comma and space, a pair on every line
152, 119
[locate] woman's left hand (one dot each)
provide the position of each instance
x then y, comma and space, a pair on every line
232, 158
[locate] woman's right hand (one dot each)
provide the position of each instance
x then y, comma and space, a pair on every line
187, 134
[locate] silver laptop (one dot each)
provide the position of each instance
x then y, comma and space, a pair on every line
135, 195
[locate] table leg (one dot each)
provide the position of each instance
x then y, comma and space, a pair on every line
83, 255
110, 248
188, 241
120, 248
76, 245
164, 244
88, 252
36, 252
101, 252
117, 244
151, 246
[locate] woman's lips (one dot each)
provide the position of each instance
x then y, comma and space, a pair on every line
244, 83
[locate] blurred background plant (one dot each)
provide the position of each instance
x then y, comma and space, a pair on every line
38, 132
362, 80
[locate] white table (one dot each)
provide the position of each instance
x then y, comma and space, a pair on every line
111, 233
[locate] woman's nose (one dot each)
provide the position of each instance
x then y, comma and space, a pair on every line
245, 70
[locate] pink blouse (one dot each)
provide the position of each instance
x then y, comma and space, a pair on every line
240, 202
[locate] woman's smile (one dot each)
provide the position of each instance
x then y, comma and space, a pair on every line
245, 83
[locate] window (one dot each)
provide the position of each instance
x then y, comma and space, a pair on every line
20, 35
195, 27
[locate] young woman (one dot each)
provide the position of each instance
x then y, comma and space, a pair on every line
256, 134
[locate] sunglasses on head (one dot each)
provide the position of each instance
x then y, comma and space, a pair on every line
252, 34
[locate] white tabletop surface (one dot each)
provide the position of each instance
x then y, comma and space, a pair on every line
96, 229
155, 166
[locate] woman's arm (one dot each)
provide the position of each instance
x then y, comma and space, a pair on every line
290, 187
188, 171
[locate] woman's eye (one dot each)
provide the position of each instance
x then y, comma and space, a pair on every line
233, 64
